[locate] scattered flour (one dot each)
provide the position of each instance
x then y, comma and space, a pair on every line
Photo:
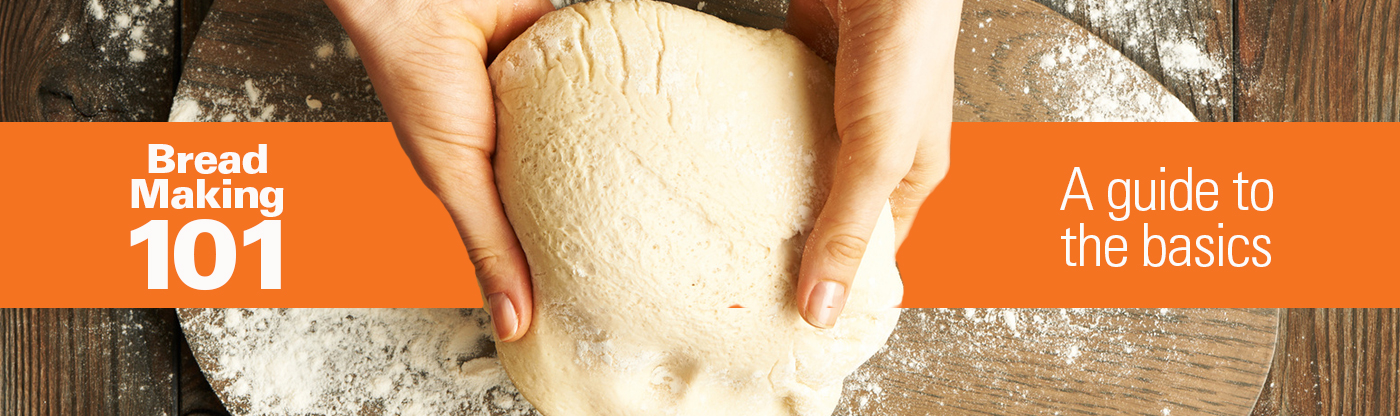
1102, 92
126, 23
1181, 51
348, 49
185, 110
375, 362
325, 51
1073, 74
254, 94
354, 361
96, 10
280, 97
1187, 58
970, 351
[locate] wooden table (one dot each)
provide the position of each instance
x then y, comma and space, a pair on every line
1297, 60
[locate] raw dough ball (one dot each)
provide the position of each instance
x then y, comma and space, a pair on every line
660, 166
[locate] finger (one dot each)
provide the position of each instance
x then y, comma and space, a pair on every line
809, 21
931, 164
932, 160
869, 168
512, 20
462, 178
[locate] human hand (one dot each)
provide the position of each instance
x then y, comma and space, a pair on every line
427, 60
894, 110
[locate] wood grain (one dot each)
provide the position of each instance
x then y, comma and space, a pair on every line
191, 18
1019, 61
1305, 60
987, 361
1335, 362
103, 70
197, 397
87, 362
1078, 361
1184, 44
274, 61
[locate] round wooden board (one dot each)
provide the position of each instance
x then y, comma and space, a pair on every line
269, 60
939, 361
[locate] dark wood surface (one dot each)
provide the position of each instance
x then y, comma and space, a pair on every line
1307, 60
1335, 362
88, 362
60, 62
1299, 60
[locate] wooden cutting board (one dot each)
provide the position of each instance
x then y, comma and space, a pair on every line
1017, 61
938, 361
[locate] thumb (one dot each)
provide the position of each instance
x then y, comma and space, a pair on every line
868, 172
427, 61
463, 179
883, 100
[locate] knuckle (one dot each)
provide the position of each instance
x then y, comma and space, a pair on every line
846, 249
486, 262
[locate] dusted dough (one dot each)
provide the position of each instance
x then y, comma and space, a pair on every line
659, 166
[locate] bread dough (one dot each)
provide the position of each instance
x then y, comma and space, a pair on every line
660, 166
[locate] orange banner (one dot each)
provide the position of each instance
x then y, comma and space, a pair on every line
332, 215
993, 234
357, 226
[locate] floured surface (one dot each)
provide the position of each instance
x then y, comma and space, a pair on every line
1068, 361
939, 361
364, 362
1187, 45
1019, 61
274, 61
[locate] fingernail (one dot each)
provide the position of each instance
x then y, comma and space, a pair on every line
825, 303
503, 315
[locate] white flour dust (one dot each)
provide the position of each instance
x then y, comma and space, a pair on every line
354, 361
375, 362
279, 97
1138, 25
128, 26
968, 351
1102, 92
1056, 75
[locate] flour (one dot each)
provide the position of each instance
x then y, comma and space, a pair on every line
1187, 58
1138, 26
968, 351
1101, 92
185, 110
355, 361
126, 23
325, 51
348, 49
375, 362
227, 94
